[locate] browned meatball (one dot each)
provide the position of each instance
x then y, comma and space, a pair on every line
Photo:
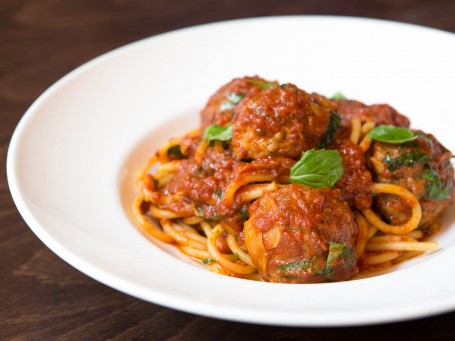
423, 167
280, 121
291, 231
220, 107
355, 183
379, 113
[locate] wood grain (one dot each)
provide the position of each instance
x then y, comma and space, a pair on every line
43, 298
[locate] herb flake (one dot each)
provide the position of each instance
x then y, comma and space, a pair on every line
336, 250
175, 151
263, 84
407, 159
304, 264
436, 189
339, 96
208, 261
244, 213
217, 132
334, 124
231, 101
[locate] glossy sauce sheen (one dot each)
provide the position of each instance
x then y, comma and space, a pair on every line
415, 175
297, 223
356, 180
289, 232
281, 121
213, 112
379, 113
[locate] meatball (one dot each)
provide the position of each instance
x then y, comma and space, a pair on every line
279, 121
379, 113
219, 108
198, 184
423, 167
300, 234
355, 183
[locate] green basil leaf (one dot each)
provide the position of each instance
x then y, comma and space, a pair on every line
217, 132
231, 101
436, 189
407, 159
334, 124
304, 264
339, 96
318, 168
175, 151
336, 250
263, 84
244, 213
207, 261
392, 134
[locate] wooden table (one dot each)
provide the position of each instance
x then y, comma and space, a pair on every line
42, 297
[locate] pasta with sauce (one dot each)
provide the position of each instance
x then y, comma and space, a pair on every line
281, 185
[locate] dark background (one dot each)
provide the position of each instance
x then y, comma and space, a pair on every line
43, 298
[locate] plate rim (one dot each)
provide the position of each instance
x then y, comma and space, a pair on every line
101, 275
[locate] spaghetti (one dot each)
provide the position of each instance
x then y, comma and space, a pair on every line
209, 191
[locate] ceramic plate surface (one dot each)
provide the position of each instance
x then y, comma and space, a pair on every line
75, 154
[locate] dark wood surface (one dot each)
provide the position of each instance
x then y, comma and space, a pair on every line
42, 297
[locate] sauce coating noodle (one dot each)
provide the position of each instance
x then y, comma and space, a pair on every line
226, 194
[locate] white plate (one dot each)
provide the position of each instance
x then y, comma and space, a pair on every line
75, 154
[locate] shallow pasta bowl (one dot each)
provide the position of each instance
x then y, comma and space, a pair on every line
75, 154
